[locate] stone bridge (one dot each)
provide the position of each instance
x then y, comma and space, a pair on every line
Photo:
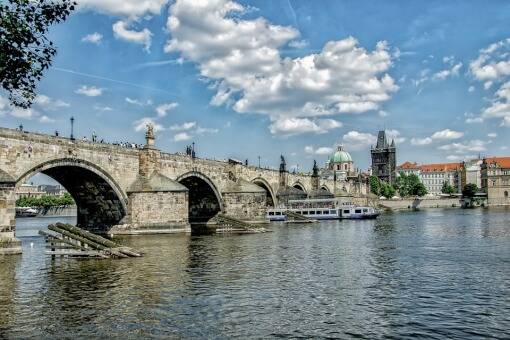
124, 190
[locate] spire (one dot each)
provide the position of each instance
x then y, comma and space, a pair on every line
382, 143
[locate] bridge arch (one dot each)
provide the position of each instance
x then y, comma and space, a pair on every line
270, 196
300, 186
100, 200
204, 197
325, 187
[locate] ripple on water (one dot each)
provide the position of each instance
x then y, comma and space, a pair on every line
428, 274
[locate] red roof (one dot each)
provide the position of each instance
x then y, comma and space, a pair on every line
408, 165
440, 167
503, 162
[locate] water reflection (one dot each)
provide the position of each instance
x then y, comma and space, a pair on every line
413, 274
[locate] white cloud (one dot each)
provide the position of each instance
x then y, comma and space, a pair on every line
453, 71
421, 141
447, 134
492, 135
89, 91
48, 103
471, 89
128, 8
200, 130
121, 31
298, 43
505, 122
138, 102
358, 140
294, 126
141, 124
46, 119
102, 108
183, 126
94, 38
492, 63
182, 136
162, 110
463, 147
323, 150
456, 158
395, 135
382, 113
241, 58
23, 113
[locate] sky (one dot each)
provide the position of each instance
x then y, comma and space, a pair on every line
244, 79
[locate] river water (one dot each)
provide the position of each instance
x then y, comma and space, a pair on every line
430, 274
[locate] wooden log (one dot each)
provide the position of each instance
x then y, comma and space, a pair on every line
99, 240
86, 241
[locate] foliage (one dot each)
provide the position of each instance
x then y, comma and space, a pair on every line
410, 185
375, 185
379, 187
447, 188
25, 51
469, 190
46, 201
387, 190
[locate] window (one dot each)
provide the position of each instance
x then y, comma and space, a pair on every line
357, 211
365, 210
346, 211
278, 213
506, 194
332, 212
271, 213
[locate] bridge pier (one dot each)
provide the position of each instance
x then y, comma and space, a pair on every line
245, 201
9, 244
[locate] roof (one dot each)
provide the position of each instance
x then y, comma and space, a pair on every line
340, 156
503, 162
408, 165
440, 167
156, 182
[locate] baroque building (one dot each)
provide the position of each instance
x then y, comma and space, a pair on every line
340, 164
384, 159
495, 178
433, 176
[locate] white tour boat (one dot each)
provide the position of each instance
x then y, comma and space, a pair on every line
322, 209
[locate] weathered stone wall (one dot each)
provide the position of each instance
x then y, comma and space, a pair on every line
420, 203
160, 211
249, 207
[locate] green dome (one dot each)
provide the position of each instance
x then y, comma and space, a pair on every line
340, 156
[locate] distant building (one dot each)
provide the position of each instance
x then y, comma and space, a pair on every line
340, 164
433, 176
384, 159
52, 190
495, 179
28, 190
471, 173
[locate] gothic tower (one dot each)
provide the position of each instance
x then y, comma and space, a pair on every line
384, 159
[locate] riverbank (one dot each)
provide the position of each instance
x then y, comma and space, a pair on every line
419, 203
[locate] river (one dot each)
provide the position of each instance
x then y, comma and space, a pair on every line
430, 274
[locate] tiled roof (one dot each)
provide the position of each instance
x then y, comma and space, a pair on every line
503, 162
408, 165
440, 167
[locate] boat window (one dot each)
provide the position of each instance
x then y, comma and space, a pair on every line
332, 212
357, 211
365, 210
319, 212
346, 211
278, 213
271, 213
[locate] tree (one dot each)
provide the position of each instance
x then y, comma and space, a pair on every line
410, 185
375, 185
387, 190
25, 51
447, 188
470, 190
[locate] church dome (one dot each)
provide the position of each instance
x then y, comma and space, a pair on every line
340, 156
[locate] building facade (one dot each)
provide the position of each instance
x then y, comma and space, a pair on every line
340, 164
433, 176
471, 172
495, 180
384, 159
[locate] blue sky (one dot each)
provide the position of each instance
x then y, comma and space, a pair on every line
249, 78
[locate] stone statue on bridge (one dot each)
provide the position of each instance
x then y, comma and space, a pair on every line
149, 135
